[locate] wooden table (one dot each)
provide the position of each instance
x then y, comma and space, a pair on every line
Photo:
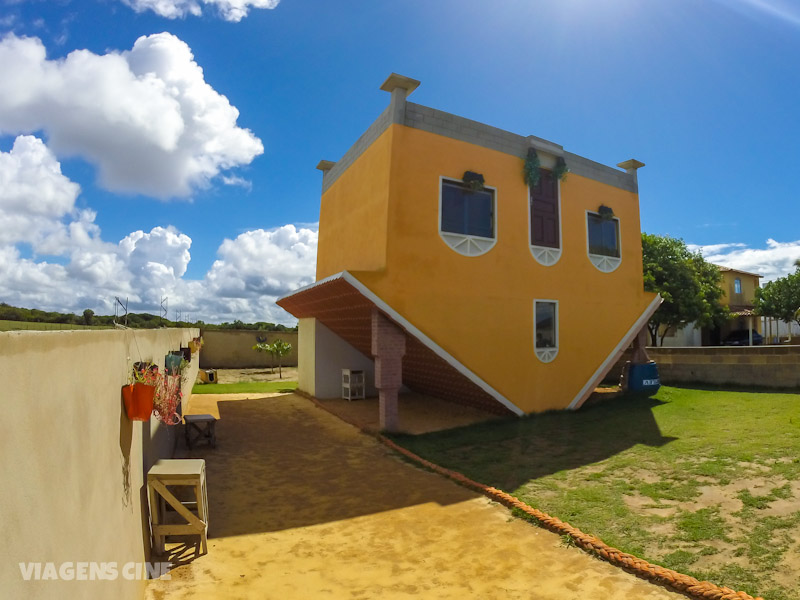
200, 427
189, 472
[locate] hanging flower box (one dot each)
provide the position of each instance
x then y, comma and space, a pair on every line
167, 399
139, 394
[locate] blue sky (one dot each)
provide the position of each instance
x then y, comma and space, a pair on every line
128, 170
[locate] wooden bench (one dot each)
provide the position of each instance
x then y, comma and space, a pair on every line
190, 472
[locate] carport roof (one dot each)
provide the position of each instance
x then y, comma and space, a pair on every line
344, 305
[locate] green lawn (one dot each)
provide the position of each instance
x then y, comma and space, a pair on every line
705, 482
26, 325
245, 387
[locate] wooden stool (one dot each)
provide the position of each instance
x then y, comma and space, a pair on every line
200, 427
182, 472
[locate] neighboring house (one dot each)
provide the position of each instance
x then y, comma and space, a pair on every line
739, 289
517, 300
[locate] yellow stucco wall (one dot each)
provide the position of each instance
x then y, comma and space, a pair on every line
749, 285
354, 211
480, 309
746, 298
71, 463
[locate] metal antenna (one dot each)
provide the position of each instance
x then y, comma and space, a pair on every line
164, 305
124, 307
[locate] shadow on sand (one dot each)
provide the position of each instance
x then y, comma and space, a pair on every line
282, 463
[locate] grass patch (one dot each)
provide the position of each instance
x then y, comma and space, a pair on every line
657, 477
246, 387
703, 524
32, 326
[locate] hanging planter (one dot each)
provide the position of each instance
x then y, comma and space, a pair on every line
167, 399
196, 344
172, 362
138, 399
139, 394
530, 170
473, 181
561, 169
606, 213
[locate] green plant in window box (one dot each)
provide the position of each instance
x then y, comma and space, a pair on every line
531, 169
606, 213
473, 181
561, 169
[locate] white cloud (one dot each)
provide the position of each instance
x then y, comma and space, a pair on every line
37, 207
266, 263
773, 261
230, 10
35, 194
145, 117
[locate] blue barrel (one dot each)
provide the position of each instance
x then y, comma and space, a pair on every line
644, 378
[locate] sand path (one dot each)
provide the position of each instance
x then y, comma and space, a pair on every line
302, 505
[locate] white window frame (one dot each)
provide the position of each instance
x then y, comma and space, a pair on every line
468, 245
604, 264
545, 255
546, 355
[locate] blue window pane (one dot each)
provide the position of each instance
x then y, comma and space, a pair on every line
603, 236
467, 212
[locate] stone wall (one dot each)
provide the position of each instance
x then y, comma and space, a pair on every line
762, 366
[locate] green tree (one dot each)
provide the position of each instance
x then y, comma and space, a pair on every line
688, 284
281, 349
780, 299
88, 315
267, 349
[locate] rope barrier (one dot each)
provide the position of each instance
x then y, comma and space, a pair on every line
589, 543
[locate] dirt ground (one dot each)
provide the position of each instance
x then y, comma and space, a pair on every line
239, 375
302, 505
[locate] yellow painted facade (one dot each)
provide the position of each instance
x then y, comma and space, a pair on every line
749, 284
380, 221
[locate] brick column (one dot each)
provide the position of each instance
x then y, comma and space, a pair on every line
388, 348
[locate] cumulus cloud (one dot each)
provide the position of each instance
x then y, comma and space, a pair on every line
269, 263
145, 117
775, 260
31, 172
81, 270
230, 10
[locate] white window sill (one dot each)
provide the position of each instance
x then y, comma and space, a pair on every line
468, 245
545, 255
546, 355
605, 264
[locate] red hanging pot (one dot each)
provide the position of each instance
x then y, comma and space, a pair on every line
138, 399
